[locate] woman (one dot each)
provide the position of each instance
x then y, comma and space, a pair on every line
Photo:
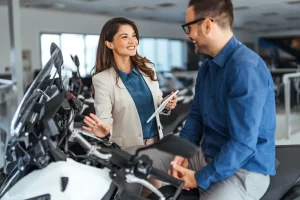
126, 89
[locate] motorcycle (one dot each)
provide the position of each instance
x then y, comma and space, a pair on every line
285, 185
173, 123
81, 88
42, 163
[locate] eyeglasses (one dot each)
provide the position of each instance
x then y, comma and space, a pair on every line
186, 27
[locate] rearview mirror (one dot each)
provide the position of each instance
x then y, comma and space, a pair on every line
76, 60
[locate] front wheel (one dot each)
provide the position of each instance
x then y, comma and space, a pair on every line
168, 191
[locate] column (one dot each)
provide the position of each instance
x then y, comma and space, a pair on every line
16, 47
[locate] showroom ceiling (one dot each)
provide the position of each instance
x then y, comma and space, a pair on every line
255, 15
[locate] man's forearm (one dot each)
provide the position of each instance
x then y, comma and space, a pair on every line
233, 155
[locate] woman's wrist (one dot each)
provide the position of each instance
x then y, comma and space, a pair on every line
105, 138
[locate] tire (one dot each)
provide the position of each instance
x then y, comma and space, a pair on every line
168, 191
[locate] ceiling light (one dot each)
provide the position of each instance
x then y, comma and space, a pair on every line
59, 5
292, 18
293, 2
269, 14
241, 8
166, 5
129, 9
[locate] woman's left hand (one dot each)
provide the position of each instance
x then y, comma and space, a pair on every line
172, 103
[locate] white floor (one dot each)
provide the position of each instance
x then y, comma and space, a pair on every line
281, 137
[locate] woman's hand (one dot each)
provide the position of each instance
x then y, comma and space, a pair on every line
95, 126
172, 103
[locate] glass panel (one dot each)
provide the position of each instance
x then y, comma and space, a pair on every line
176, 54
148, 49
73, 44
46, 40
91, 44
163, 57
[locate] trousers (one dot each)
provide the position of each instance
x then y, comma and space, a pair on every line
243, 185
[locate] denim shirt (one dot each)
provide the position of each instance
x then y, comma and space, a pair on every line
143, 99
234, 114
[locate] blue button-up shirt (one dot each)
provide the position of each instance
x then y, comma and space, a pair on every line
234, 114
143, 99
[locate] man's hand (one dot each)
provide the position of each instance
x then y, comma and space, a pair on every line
181, 161
188, 176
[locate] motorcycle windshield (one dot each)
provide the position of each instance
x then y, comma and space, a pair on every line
33, 93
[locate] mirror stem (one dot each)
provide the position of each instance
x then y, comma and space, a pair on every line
142, 149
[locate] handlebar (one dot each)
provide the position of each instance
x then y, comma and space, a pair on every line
126, 168
92, 150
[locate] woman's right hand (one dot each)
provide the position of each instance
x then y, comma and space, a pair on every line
95, 126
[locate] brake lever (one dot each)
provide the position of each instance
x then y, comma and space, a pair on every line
120, 177
132, 179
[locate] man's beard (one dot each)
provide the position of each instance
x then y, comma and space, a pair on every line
200, 49
196, 49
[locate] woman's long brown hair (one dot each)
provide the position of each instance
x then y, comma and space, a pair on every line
105, 58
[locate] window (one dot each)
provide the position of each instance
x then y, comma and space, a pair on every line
164, 53
163, 59
91, 44
176, 51
46, 40
84, 46
148, 48
73, 44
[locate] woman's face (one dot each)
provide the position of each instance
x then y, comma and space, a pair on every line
125, 41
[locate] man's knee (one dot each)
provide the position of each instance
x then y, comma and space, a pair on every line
222, 190
242, 185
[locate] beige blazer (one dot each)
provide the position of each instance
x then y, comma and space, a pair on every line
115, 107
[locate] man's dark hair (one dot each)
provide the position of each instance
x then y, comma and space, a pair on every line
221, 11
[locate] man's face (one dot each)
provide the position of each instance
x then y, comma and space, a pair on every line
197, 32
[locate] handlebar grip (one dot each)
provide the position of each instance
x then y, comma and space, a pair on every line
89, 103
165, 177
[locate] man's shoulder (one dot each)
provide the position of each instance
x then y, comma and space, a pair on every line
245, 56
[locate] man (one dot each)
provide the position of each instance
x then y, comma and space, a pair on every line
233, 116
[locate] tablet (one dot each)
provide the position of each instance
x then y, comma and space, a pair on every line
162, 106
